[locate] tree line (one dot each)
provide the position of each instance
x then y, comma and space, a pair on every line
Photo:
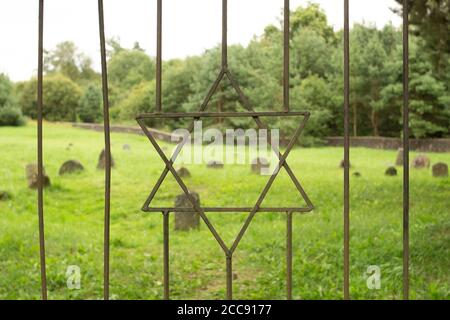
73, 93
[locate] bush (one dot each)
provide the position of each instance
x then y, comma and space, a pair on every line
140, 100
11, 116
90, 110
61, 98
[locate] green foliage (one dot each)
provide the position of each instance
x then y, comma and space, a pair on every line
61, 98
10, 114
90, 109
141, 99
128, 68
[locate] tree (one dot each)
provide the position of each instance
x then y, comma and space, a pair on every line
68, 61
10, 114
90, 110
128, 68
61, 98
141, 99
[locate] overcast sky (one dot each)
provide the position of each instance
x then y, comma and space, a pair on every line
190, 26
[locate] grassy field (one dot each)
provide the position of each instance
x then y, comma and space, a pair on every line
74, 225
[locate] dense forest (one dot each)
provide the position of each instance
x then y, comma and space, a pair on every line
73, 89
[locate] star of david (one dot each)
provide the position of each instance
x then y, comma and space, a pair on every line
196, 116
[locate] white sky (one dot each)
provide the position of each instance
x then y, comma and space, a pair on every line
190, 26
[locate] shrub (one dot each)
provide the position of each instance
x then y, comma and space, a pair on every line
61, 98
90, 105
11, 116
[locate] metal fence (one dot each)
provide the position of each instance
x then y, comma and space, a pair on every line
226, 72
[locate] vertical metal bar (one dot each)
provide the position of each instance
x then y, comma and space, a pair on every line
159, 58
106, 239
40, 153
229, 277
166, 254
346, 152
224, 34
289, 255
406, 150
286, 55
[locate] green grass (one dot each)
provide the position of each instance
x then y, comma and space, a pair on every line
74, 225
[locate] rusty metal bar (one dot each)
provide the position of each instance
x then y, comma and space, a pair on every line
289, 255
229, 262
286, 55
107, 218
159, 58
346, 151
40, 152
405, 150
166, 253
230, 210
224, 34
253, 114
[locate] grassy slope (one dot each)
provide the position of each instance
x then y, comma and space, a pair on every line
74, 225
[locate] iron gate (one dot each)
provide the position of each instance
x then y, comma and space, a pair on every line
225, 72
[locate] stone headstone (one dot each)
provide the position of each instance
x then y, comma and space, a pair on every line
357, 174
342, 164
440, 170
102, 160
260, 165
31, 171
183, 172
186, 220
215, 164
420, 162
70, 166
391, 171
126, 147
4, 195
399, 160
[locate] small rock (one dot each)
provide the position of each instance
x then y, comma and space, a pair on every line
420, 162
31, 171
260, 165
186, 220
215, 164
102, 160
440, 170
183, 172
4, 195
399, 160
70, 166
126, 147
391, 171
357, 174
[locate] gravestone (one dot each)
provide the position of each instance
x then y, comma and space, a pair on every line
183, 172
260, 165
31, 171
215, 164
399, 160
357, 174
126, 147
102, 160
420, 162
391, 171
440, 170
70, 166
4, 195
186, 220
342, 164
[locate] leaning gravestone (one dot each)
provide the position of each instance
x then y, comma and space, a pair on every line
260, 165
420, 162
440, 170
215, 164
399, 160
102, 160
186, 220
70, 166
391, 171
31, 171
